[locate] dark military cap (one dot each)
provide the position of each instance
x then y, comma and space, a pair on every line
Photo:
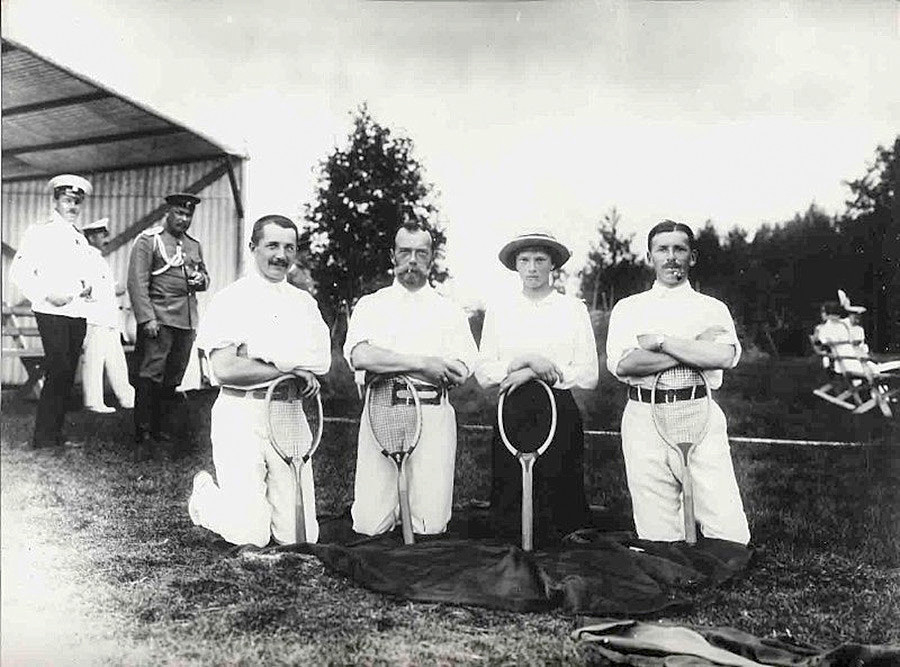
183, 199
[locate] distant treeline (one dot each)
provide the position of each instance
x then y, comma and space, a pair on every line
775, 282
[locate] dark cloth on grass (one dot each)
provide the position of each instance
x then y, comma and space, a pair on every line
590, 572
559, 499
629, 642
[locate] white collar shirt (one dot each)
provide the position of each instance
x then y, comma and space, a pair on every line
420, 322
52, 260
556, 327
680, 311
277, 323
102, 308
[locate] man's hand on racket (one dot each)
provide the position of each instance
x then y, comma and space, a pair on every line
442, 371
310, 382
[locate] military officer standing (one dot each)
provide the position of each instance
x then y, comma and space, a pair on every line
165, 271
51, 268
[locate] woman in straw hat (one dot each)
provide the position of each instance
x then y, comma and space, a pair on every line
540, 333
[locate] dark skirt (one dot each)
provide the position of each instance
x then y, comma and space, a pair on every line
559, 499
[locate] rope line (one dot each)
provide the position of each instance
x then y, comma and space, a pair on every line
480, 428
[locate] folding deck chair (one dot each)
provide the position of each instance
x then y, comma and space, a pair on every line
857, 382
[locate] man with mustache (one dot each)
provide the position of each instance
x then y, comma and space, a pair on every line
52, 269
668, 325
254, 331
409, 328
165, 271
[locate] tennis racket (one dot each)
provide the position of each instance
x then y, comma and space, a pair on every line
526, 416
295, 430
394, 415
680, 406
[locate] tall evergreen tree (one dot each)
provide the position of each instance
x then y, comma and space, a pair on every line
366, 190
872, 226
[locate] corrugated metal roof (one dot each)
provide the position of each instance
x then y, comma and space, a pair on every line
56, 121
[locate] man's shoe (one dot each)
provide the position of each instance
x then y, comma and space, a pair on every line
100, 409
202, 481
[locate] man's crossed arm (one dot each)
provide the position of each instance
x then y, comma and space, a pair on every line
658, 353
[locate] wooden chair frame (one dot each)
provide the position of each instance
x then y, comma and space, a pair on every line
857, 382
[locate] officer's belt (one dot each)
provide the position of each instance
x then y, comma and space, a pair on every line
429, 394
666, 395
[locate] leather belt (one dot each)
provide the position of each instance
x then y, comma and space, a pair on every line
284, 392
666, 395
428, 394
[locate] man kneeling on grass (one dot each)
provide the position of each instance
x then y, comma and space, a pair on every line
256, 330
668, 325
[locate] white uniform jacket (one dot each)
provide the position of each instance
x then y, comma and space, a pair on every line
52, 259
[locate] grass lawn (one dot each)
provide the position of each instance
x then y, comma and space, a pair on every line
101, 563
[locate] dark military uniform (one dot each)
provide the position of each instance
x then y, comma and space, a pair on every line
158, 272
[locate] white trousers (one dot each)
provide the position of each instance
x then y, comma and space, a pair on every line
654, 472
103, 349
254, 497
376, 504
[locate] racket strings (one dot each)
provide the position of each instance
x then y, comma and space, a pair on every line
394, 426
288, 428
679, 377
682, 420
527, 417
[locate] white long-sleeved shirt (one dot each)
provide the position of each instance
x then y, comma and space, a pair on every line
102, 309
680, 311
421, 322
277, 322
52, 259
556, 326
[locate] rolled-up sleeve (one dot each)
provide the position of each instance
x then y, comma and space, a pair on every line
221, 325
723, 318
620, 339
315, 355
359, 328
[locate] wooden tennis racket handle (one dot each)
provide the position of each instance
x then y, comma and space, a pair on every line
405, 516
299, 514
690, 521
527, 502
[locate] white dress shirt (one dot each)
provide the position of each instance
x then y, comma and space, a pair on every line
277, 322
102, 308
678, 311
421, 322
52, 260
556, 326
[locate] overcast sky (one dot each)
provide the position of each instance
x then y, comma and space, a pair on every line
523, 113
